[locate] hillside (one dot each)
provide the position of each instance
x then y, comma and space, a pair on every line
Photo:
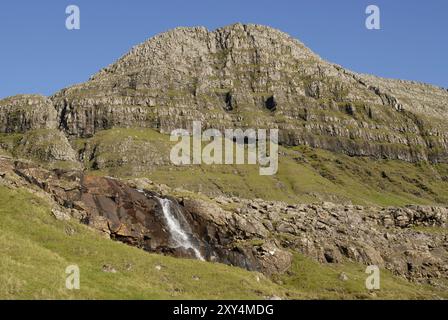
362, 179
36, 248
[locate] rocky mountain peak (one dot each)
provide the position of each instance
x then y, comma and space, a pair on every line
184, 43
258, 77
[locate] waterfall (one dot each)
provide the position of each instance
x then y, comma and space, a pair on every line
178, 226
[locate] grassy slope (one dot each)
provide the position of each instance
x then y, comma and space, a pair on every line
322, 281
305, 175
35, 249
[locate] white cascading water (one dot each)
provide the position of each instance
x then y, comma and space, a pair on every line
179, 236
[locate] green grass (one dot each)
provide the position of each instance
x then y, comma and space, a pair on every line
8, 141
304, 175
323, 281
341, 180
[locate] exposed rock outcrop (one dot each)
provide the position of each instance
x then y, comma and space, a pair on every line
46, 145
128, 151
22, 113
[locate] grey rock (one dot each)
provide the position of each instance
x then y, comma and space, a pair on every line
343, 276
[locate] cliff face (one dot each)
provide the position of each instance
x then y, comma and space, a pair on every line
247, 76
255, 76
27, 112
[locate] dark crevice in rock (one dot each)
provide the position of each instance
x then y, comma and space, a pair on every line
62, 117
229, 102
271, 103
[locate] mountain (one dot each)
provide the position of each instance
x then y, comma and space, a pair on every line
254, 76
362, 179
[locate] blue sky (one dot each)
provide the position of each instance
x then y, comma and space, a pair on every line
39, 55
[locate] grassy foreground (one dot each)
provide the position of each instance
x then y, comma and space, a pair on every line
35, 250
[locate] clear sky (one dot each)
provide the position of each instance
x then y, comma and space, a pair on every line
39, 55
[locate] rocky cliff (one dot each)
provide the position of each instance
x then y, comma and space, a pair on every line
22, 113
246, 76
